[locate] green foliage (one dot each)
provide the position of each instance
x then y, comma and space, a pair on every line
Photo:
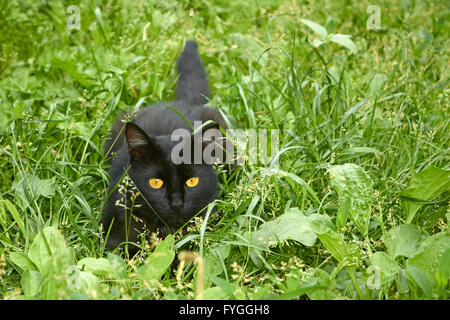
291, 225
48, 270
356, 209
429, 260
424, 187
158, 262
386, 267
354, 188
342, 39
405, 240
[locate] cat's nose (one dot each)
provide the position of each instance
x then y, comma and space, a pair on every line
176, 204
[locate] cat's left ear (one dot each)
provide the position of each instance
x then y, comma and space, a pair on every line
140, 146
211, 147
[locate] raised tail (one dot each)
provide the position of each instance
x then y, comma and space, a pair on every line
192, 82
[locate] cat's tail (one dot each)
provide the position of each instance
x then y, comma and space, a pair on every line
192, 82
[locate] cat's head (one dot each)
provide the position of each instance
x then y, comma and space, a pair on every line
173, 192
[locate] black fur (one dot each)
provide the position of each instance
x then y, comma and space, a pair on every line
193, 82
143, 150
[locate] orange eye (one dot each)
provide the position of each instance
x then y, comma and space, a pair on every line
192, 182
155, 183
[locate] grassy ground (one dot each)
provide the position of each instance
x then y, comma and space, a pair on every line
358, 208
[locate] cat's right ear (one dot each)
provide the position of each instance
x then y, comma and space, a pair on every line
140, 146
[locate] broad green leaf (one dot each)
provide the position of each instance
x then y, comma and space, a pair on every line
321, 290
232, 290
353, 184
321, 223
31, 282
21, 260
55, 275
428, 260
118, 264
295, 288
263, 292
86, 282
317, 28
44, 246
215, 293
421, 279
444, 264
342, 214
317, 42
404, 240
99, 266
374, 280
424, 186
292, 225
344, 40
158, 262
401, 282
29, 187
387, 265
334, 242
387, 268
78, 296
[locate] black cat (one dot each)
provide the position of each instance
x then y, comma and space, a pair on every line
161, 195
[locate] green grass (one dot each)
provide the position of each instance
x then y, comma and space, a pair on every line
360, 235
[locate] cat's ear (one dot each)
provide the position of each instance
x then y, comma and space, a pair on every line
141, 147
211, 147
